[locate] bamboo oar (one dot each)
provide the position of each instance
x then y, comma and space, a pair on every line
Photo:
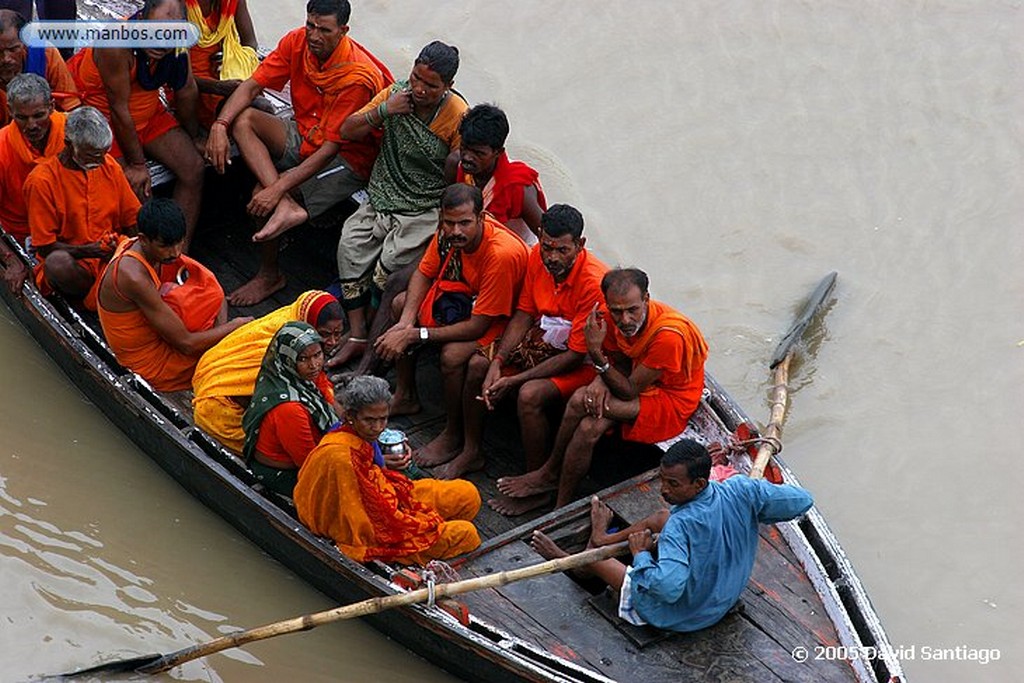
780, 365
156, 663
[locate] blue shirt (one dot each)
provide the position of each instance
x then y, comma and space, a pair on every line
706, 552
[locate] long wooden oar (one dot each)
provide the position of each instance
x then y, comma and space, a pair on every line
780, 365
156, 663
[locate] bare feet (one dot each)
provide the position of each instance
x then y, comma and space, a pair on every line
257, 289
402, 405
442, 449
513, 507
464, 463
286, 216
600, 517
354, 347
529, 484
545, 547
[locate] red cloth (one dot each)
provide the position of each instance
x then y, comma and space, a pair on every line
288, 434
494, 273
503, 194
672, 343
323, 96
17, 159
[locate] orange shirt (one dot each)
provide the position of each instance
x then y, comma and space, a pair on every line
494, 272
288, 433
17, 159
65, 92
571, 300
323, 96
78, 207
143, 105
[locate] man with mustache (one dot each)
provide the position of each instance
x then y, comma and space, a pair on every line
46, 62
303, 165
78, 203
540, 357
707, 547
650, 375
159, 308
460, 297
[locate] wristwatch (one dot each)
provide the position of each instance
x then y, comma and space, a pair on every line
424, 333
601, 369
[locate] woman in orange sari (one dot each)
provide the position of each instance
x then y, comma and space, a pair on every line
346, 491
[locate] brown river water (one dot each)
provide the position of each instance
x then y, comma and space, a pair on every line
737, 151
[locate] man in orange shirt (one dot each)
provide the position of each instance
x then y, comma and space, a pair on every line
160, 309
461, 297
36, 134
47, 63
125, 85
303, 159
650, 378
542, 350
78, 203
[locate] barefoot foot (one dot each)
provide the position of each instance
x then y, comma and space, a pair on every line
257, 289
464, 463
600, 517
545, 547
513, 507
439, 451
529, 484
286, 216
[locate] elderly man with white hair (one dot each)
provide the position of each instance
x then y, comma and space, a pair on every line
79, 203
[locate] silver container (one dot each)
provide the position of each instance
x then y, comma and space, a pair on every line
392, 442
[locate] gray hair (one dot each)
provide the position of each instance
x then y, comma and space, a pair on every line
26, 88
363, 391
87, 126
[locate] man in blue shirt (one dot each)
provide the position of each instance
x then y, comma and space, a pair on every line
707, 546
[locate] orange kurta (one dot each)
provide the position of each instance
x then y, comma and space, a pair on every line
138, 346
323, 96
148, 113
373, 513
494, 273
17, 159
62, 84
672, 343
78, 207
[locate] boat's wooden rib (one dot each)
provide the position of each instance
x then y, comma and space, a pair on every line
803, 591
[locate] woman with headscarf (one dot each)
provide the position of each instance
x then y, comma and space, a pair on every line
226, 374
347, 491
291, 407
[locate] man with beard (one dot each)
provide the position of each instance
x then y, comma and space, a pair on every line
650, 375
541, 352
460, 297
707, 547
160, 309
46, 62
303, 166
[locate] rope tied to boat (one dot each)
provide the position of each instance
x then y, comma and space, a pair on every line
741, 445
436, 572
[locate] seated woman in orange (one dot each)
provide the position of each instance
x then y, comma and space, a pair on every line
226, 374
290, 409
346, 492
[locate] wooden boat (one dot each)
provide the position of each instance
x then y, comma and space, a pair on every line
805, 616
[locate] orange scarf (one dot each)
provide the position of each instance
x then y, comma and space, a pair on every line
54, 143
661, 317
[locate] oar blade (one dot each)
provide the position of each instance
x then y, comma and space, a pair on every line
120, 666
821, 294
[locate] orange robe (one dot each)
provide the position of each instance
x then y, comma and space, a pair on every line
148, 112
374, 513
493, 274
670, 342
62, 84
137, 345
78, 207
323, 96
17, 159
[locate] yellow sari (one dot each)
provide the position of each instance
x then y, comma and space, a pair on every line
230, 368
